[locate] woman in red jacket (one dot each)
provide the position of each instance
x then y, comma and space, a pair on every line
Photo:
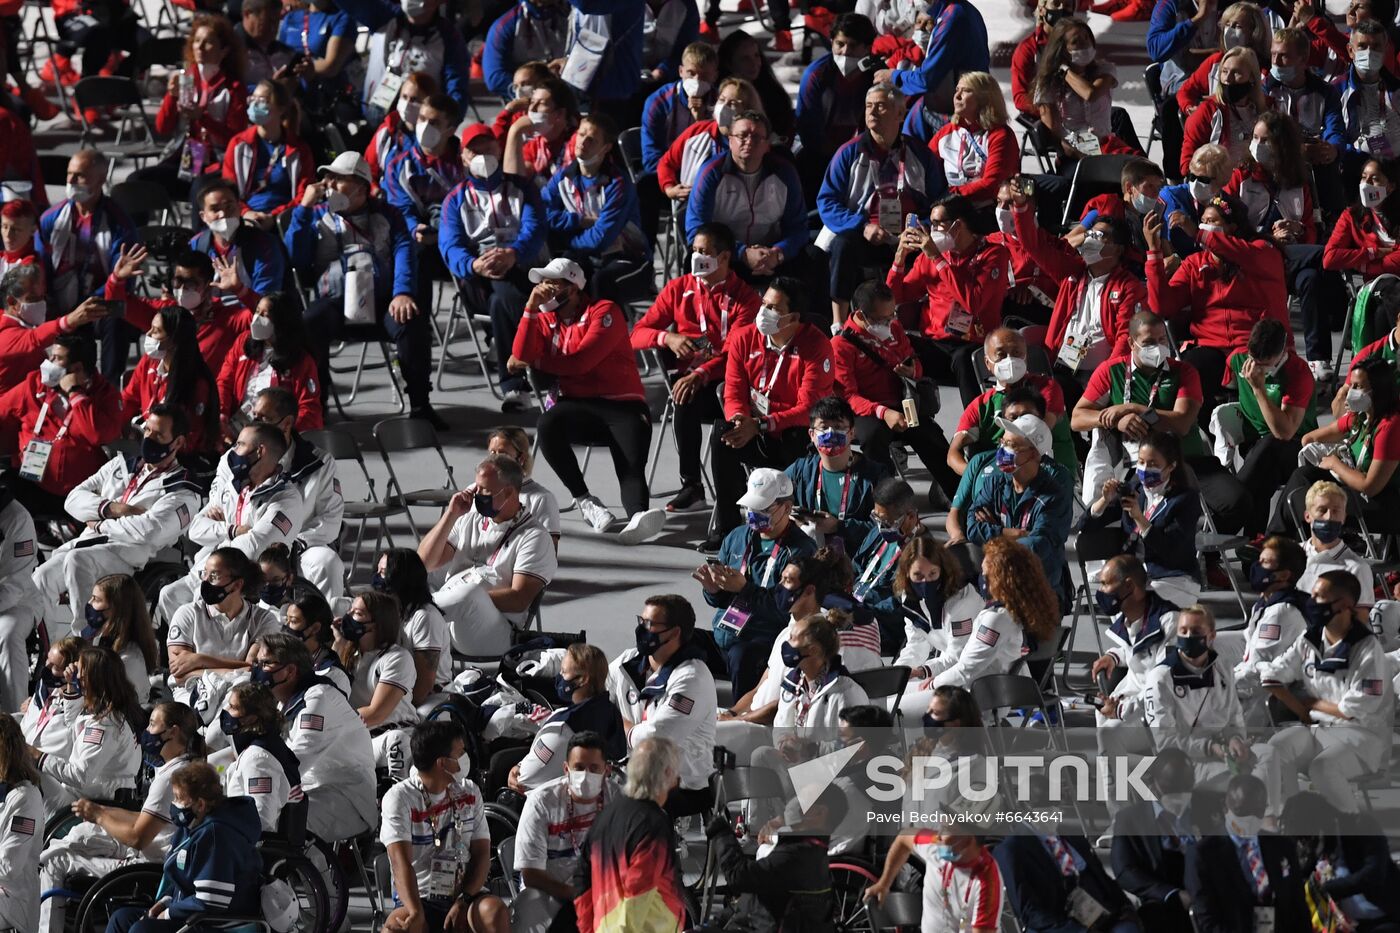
1242, 24
1274, 182
1365, 236
1234, 280
206, 104
268, 164
172, 370
272, 354
976, 147
1227, 117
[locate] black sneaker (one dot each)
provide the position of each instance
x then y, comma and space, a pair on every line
691, 498
710, 545
429, 415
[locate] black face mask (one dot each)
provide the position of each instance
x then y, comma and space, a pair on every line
378, 583
1236, 93
931, 723
153, 451
240, 467
96, 620
1318, 613
352, 628
1191, 646
212, 593
648, 642
274, 594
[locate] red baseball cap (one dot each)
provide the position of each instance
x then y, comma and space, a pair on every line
476, 131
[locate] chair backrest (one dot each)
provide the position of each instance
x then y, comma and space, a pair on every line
505, 857
338, 443
1296, 504
395, 435
1099, 544
1094, 175
163, 50
752, 784
1006, 691
1152, 77
881, 682
629, 143
142, 199
106, 91
901, 909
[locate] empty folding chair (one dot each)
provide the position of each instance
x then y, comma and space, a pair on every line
341, 445
404, 435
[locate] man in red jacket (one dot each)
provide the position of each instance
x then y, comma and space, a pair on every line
777, 368
875, 365
24, 334
689, 324
597, 398
61, 416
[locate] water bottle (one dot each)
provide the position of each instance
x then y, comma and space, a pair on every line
187, 92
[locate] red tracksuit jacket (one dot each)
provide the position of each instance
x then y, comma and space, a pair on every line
1224, 304
300, 380
697, 310
22, 348
217, 336
1356, 246
146, 387
96, 420
794, 379
592, 355
975, 281
868, 387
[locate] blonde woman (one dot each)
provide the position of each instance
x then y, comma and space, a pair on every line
1241, 25
1228, 116
977, 147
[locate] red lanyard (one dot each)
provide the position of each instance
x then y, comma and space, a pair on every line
243, 498
43, 415
845, 490
306, 31
491, 561
709, 299
137, 481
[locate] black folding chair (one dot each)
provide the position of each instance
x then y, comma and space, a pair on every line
1093, 176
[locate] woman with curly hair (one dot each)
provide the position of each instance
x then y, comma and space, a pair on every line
1021, 610
939, 604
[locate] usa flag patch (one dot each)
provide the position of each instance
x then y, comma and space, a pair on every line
543, 752
313, 721
988, 635
92, 735
183, 514
962, 628
1269, 630
282, 523
682, 704
23, 825
335, 484
1372, 688
24, 548
260, 785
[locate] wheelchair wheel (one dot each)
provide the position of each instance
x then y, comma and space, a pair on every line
59, 825
849, 879
309, 890
502, 822
336, 886
129, 886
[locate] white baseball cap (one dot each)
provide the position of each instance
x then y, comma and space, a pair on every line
348, 163
1032, 429
766, 486
560, 268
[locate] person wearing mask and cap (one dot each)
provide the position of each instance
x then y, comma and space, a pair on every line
418, 179
553, 824
689, 324
778, 369
1370, 94
665, 690
495, 556
1337, 680
869, 186
1150, 842
1325, 515
411, 35
526, 31
59, 418
218, 324
1276, 621
597, 397
363, 259
80, 239
742, 583
1004, 359
581, 683
962, 884
133, 508
492, 228
1023, 502
25, 332
252, 504
1246, 878
834, 487
227, 238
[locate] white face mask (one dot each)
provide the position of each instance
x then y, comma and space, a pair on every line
768, 321
695, 87
428, 135
1152, 357
881, 331
483, 165
1243, 826
261, 327
702, 265
1006, 221
590, 164
845, 64
1262, 152
724, 115
538, 117
225, 227
1367, 62
1143, 204
942, 240
1201, 191
1284, 74
1233, 36
32, 313
464, 765
585, 785
1209, 228
50, 373
77, 192
208, 72
412, 8
189, 298
1175, 803
151, 347
1358, 401
1372, 195
337, 201
1091, 250
1009, 369
920, 38
1081, 57
408, 111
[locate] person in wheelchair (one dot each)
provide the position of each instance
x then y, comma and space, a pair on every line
381, 676
100, 708
793, 879
21, 825
582, 684
556, 819
308, 619
326, 735
434, 828
110, 836
213, 868
264, 768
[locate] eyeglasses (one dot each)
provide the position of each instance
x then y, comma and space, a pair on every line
269, 664
746, 137
648, 623
183, 282
216, 576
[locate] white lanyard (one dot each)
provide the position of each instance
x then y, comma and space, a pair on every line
766, 384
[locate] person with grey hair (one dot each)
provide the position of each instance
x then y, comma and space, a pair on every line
25, 331
632, 844
495, 557
870, 185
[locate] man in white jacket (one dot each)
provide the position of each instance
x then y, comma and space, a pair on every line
134, 508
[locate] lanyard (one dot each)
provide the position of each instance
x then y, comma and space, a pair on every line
772, 562
306, 31
139, 480
243, 499
709, 298
275, 154
43, 415
1152, 393
806, 699
874, 566
491, 561
845, 490
964, 139
765, 384
449, 820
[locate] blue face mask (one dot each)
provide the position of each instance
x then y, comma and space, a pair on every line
378, 583
1192, 646
1318, 613
485, 504
151, 744
1006, 460
922, 588
648, 642
889, 533
1109, 603
262, 676
1260, 577
565, 688
1150, 479
240, 467
931, 723
352, 628
791, 656
783, 598
181, 816
758, 521
832, 442
1326, 532
945, 852
96, 619
273, 594
228, 722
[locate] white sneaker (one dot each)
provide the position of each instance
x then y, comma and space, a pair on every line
516, 400
643, 525
595, 513
1321, 370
